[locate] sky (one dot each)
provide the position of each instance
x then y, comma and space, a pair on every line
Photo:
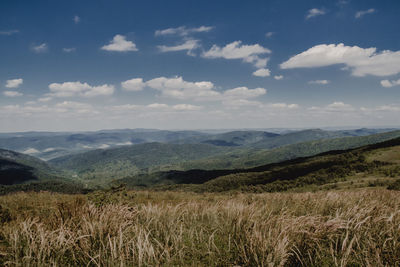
106, 64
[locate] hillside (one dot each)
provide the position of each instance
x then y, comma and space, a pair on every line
17, 168
20, 172
148, 161
48, 145
372, 165
335, 164
123, 161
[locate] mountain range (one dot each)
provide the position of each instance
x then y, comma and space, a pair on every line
143, 157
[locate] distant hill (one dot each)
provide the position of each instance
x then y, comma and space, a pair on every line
371, 165
49, 145
17, 168
146, 163
123, 161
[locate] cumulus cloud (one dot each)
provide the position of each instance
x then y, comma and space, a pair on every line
182, 31
262, 72
12, 93
69, 89
387, 83
361, 61
235, 50
336, 106
157, 106
323, 82
178, 88
120, 44
76, 19
188, 46
72, 105
278, 77
361, 13
186, 107
244, 92
135, 84
69, 50
42, 48
284, 106
233, 103
315, 12
64, 109
14, 83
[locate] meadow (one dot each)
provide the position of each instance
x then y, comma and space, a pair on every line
358, 227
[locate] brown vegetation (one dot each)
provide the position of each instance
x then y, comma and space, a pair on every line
176, 228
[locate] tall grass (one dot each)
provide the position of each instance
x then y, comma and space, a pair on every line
181, 229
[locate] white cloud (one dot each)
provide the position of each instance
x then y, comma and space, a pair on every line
76, 19
361, 61
188, 45
336, 106
183, 31
387, 83
244, 92
69, 89
284, 106
315, 12
186, 107
361, 13
14, 83
69, 50
262, 72
12, 93
324, 82
239, 103
135, 84
178, 88
157, 106
269, 34
278, 77
235, 50
120, 44
45, 99
124, 108
42, 48
389, 108
10, 32
72, 105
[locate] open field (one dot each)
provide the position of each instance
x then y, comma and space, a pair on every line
124, 228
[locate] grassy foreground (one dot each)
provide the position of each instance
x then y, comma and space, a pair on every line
335, 228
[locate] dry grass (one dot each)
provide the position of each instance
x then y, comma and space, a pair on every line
180, 229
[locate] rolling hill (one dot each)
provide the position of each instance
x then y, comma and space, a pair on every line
146, 163
371, 165
47, 145
107, 164
20, 172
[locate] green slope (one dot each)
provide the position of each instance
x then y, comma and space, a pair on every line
107, 164
234, 161
372, 165
23, 165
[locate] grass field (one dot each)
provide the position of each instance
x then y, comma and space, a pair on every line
125, 228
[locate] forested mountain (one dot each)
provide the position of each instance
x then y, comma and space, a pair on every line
146, 160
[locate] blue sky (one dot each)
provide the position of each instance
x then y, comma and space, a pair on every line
87, 65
